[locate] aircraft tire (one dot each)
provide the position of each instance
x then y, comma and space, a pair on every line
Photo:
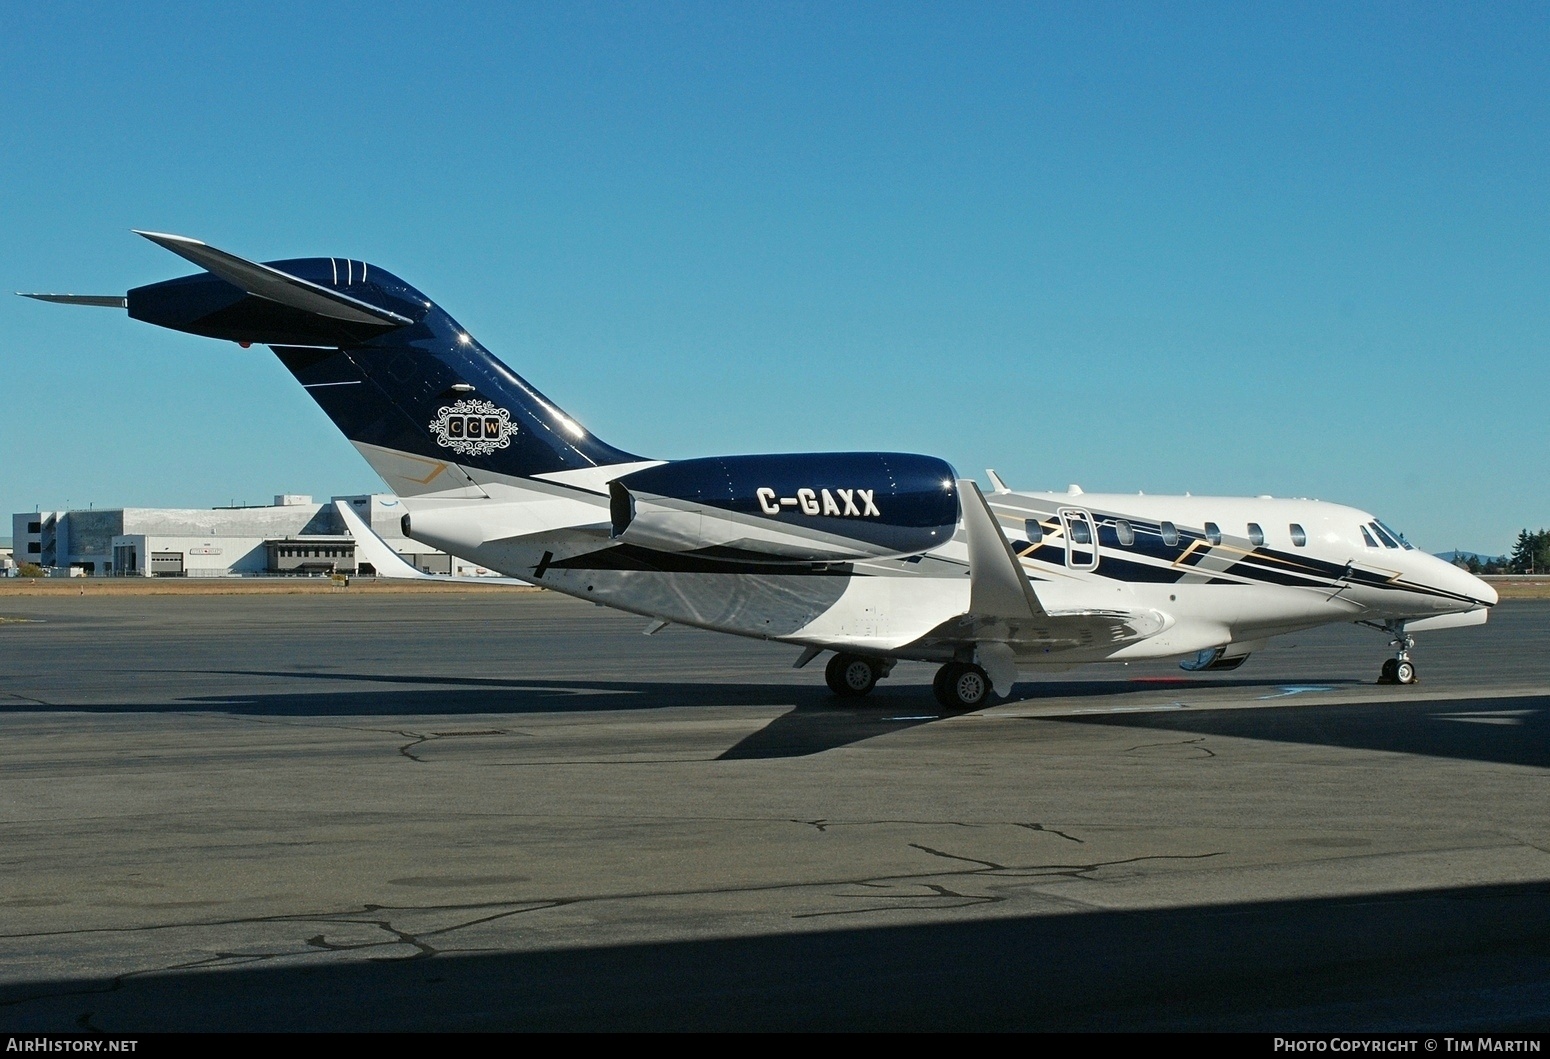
1404, 673
1386, 676
850, 676
939, 683
961, 686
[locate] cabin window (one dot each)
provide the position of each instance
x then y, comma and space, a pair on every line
1081, 531
1299, 538
1033, 529
1213, 533
1170, 534
1123, 530
1256, 535
1368, 538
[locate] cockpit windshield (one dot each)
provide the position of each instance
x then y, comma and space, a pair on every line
1390, 537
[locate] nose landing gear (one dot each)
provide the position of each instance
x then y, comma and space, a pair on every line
1399, 669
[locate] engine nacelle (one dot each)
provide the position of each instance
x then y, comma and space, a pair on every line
804, 507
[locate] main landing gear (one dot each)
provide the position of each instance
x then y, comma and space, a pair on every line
960, 686
852, 676
1399, 669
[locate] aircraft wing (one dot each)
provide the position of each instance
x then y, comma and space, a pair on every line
998, 588
1003, 607
1052, 631
1006, 620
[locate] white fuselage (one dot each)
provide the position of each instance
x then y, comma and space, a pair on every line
876, 555
1172, 575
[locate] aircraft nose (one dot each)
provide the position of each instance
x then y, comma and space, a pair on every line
1484, 592
1463, 583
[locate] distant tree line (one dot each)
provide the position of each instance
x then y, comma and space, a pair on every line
1530, 555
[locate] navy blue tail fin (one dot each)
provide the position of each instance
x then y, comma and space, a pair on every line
395, 373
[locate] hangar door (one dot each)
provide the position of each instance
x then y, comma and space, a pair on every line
166, 564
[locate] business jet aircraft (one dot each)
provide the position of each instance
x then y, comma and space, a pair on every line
876, 556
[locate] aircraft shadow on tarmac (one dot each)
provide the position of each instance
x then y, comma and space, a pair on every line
1505, 731
1508, 730
816, 720
1458, 959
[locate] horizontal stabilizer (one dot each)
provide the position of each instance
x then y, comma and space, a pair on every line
371, 548
262, 281
106, 301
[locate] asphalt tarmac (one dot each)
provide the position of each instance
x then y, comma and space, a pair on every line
497, 810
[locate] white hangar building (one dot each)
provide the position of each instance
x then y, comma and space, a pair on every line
294, 535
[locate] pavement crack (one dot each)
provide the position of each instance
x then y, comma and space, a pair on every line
824, 823
415, 739
28, 698
958, 901
425, 950
1052, 831
1083, 871
318, 943
942, 891
1192, 744
953, 856
942, 897
917, 890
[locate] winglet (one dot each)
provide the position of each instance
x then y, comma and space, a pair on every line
262, 281
997, 586
995, 480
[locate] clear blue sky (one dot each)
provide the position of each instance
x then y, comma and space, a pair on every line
1225, 248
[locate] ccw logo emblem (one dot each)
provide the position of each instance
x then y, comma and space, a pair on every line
473, 428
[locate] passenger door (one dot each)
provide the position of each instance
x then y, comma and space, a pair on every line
1081, 538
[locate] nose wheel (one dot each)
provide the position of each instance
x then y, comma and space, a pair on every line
1399, 669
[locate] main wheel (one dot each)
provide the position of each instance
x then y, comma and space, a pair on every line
850, 676
1404, 673
939, 682
960, 686
1388, 671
